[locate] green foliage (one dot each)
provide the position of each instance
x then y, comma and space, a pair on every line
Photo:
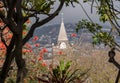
68, 2
43, 5
62, 74
99, 36
61, 70
11, 80
103, 11
92, 27
85, 1
11, 75
103, 37
39, 5
107, 11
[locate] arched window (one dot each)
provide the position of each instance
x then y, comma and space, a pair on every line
63, 45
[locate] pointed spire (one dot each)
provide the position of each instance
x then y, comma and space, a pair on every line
62, 32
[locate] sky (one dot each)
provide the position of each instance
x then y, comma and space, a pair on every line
74, 14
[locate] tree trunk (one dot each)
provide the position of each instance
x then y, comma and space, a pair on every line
5, 69
22, 71
8, 60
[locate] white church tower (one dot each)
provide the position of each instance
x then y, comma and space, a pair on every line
62, 45
62, 41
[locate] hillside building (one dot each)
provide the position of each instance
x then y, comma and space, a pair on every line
62, 45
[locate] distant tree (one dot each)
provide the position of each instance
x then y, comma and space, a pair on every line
14, 14
108, 11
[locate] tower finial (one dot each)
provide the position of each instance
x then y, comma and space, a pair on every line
62, 16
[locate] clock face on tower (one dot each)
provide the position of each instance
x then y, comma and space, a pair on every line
63, 45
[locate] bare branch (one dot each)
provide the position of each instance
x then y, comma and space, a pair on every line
86, 12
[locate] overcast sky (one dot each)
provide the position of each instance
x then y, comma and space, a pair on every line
73, 15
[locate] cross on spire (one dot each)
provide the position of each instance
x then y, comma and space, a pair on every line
62, 16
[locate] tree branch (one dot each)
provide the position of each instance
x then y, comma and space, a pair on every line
118, 76
2, 39
42, 22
